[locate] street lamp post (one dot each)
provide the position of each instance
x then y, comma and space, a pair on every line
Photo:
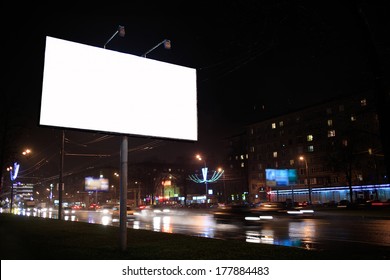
10, 169
307, 176
14, 170
224, 185
114, 187
204, 171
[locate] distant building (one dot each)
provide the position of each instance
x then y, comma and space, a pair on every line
235, 180
341, 148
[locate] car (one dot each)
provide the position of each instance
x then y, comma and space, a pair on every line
150, 211
241, 214
278, 210
68, 211
344, 203
271, 207
130, 212
94, 206
77, 207
107, 208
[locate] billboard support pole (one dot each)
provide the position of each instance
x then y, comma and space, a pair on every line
124, 149
60, 181
123, 193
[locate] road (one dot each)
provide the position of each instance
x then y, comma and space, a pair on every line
312, 232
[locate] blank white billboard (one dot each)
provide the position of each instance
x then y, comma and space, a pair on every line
96, 89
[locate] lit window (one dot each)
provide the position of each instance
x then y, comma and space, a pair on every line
242, 164
353, 118
273, 125
309, 138
363, 102
310, 148
345, 142
242, 156
281, 123
252, 131
252, 149
330, 122
275, 154
331, 133
292, 162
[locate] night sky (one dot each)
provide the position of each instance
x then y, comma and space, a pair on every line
254, 60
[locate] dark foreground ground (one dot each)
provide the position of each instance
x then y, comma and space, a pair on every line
31, 238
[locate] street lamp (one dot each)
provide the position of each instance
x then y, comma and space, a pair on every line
302, 158
204, 172
14, 170
10, 169
26, 152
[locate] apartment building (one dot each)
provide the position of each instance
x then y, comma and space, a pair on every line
334, 147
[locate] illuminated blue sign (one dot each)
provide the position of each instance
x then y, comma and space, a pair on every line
281, 177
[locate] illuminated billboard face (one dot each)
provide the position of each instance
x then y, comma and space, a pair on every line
96, 184
281, 177
96, 89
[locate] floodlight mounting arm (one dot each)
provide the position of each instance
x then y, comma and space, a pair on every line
121, 31
167, 45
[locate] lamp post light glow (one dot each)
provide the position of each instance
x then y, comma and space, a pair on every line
302, 158
26, 152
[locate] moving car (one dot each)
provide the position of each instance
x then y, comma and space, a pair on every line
238, 214
116, 212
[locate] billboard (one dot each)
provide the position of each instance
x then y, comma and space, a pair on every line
91, 88
281, 177
96, 184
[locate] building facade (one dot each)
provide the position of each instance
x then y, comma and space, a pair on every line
335, 148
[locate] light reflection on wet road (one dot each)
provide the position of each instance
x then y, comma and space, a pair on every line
309, 233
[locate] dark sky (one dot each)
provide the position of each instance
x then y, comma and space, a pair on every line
254, 59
